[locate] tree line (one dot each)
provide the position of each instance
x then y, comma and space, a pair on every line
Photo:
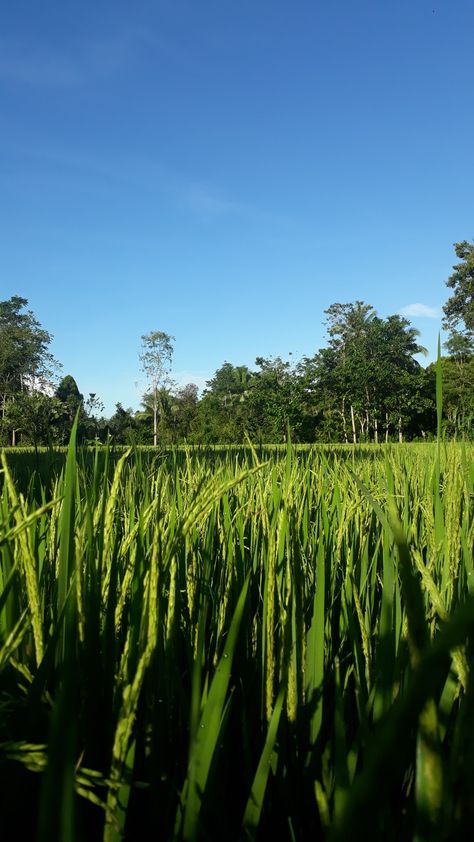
366, 384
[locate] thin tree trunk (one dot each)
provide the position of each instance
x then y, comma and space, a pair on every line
400, 433
344, 425
155, 419
376, 430
386, 427
354, 432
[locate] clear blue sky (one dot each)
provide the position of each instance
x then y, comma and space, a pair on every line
224, 171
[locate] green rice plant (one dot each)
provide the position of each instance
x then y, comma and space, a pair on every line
312, 611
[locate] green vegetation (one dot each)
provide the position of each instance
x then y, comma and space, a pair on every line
205, 639
459, 308
237, 644
366, 385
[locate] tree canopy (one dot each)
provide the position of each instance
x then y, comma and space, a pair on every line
156, 356
26, 363
459, 308
24, 347
366, 384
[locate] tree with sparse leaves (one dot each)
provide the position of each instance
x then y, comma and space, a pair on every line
156, 356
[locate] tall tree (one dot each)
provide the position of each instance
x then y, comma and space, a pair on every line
69, 394
93, 423
184, 409
274, 400
397, 382
459, 345
458, 393
223, 412
156, 356
73, 402
122, 425
458, 383
349, 327
459, 308
26, 364
39, 418
368, 373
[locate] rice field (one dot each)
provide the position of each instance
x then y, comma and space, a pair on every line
237, 644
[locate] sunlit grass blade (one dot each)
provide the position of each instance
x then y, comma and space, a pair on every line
257, 794
204, 746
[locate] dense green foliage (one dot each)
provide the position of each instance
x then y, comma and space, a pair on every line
25, 367
365, 385
238, 645
459, 309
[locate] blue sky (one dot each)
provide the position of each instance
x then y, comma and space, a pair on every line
224, 171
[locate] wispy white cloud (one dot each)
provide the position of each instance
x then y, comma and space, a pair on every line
20, 63
207, 203
203, 202
48, 66
420, 310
